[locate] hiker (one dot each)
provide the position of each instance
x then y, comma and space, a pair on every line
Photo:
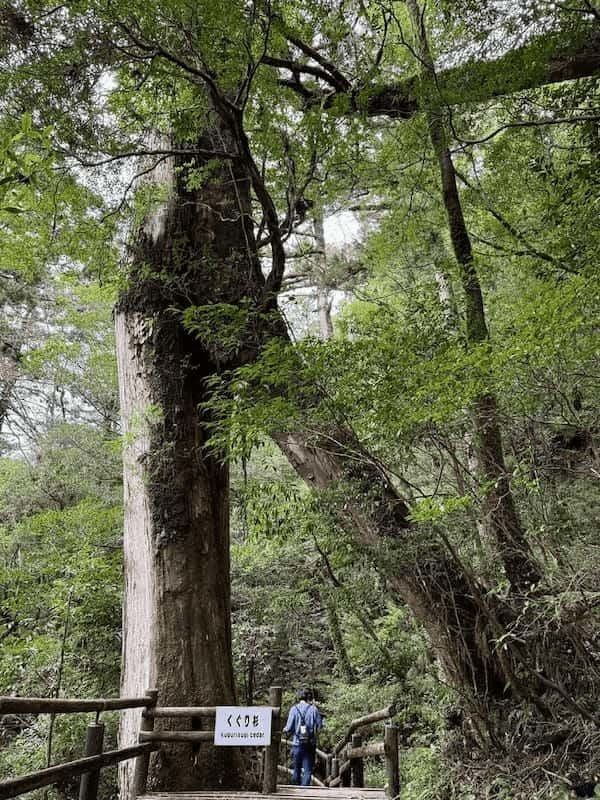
304, 720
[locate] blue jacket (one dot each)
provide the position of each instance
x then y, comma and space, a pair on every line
312, 720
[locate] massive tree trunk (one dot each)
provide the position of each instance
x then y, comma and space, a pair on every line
427, 578
193, 250
177, 610
176, 527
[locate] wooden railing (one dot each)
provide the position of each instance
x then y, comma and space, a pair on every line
149, 735
88, 767
344, 766
149, 740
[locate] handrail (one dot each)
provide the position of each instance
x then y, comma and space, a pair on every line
356, 752
12, 787
209, 712
367, 750
94, 760
60, 705
374, 716
149, 741
347, 757
321, 754
353, 754
183, 711
344, 767
154, 712
177, 736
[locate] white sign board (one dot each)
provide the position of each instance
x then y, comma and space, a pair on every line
243, 726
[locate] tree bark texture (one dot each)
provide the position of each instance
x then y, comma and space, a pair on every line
419, 570
192, 250
9, 372
499, 509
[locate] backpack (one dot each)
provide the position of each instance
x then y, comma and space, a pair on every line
305, 733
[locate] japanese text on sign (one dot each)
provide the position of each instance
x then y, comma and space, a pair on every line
243, 726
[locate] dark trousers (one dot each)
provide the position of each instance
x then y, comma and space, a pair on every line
303, 761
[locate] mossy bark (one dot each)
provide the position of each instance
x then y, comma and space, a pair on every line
195, 248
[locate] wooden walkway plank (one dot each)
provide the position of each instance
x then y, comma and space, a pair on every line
283, 793
282, 790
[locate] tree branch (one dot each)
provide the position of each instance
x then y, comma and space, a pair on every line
296, 69
534, 123
476, 81
195, 151
201, 75
510, 228
340, 81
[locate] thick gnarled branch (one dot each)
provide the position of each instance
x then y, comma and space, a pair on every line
474, 82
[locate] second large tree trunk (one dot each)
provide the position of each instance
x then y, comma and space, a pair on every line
419, 569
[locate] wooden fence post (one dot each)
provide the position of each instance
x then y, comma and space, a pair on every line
94, 741
272, 751
142, 763
357, 772
328, 763
346, 775
335, 768
392, 762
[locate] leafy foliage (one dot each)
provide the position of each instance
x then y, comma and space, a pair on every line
310, 605
60, 587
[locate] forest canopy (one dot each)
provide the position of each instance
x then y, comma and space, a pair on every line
299, 358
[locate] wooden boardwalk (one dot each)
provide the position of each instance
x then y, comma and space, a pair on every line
346, 758
283, 793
